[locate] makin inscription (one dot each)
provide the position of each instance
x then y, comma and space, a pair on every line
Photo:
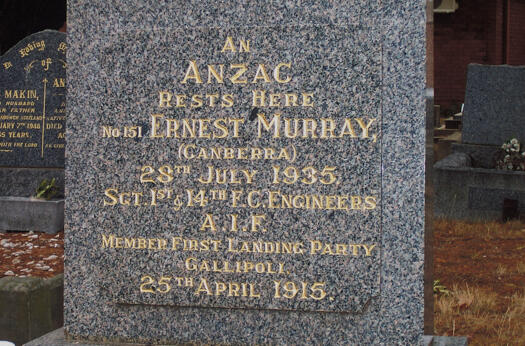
33, 102
258, 184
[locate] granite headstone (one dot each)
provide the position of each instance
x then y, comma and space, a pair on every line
245, 173
494, 109
468, 186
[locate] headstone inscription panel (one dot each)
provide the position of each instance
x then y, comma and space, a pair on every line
256, 169
33, 102
236, 168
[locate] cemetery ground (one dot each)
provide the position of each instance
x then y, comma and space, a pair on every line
31, 254
481, 289
480, 268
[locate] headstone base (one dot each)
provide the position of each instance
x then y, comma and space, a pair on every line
476, 194
32, 306
483, 156
31, 214
58, 338
23, 182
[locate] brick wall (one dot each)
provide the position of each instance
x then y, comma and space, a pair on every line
480, 31
516, 39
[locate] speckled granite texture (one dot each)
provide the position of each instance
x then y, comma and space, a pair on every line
494, 104
32, 101
23, 182
360, 59
57, 338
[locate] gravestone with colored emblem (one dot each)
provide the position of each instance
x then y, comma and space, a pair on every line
32, 112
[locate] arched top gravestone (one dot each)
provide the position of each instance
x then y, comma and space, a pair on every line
33, 102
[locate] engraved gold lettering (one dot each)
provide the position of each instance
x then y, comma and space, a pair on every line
364, 127
251, 197
307, 99
244, 46
185, 244
196, 101
180, 101
309, 128
194, 128
192, 72
155, 125
277, 73
228, 45
218, 76
267, 247
209, 222
241, 70
111, 194
370, 202
318, 247
368, 249
264, 124
227, 176
258, 98
290, 100
261, 73
227, 100
236, 196
59, 83
203, 288
133, 243
20, 94
256, 222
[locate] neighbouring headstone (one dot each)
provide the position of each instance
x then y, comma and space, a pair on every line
494, 109
467, 184
32, 113
33, 102
245, 173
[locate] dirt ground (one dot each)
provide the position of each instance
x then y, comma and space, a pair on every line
31, 254
481, 267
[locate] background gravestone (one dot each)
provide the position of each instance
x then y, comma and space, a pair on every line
245, 174
468, 185
32, 112
494, 105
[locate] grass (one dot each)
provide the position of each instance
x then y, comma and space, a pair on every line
483, 267
501, 270
520, 268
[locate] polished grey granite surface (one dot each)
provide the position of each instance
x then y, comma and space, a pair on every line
494, 104
57, 338
329, 251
